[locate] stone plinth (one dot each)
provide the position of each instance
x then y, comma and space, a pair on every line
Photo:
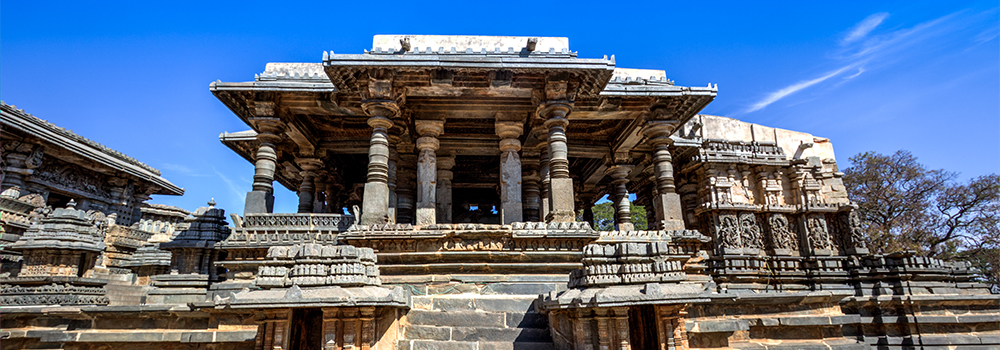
528, 248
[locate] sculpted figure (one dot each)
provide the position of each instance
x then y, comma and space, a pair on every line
818, 235
781, 235
749, 231
728, 231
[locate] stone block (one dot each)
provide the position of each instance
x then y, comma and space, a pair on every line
515, 346
453, 304
197, 337
805, 321
442, 345
522, 288
452, 288
235, 336
718, 326
422, 302
428, 332
500, 334
455, 319
505, 304
258, 202
527, 320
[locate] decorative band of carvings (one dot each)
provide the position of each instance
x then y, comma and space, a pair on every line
515, 230
296, 222
52, 295
263, 239
723, 151
632, 263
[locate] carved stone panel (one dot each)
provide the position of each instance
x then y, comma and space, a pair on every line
782, 238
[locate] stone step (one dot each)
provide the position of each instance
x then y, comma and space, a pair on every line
477, 334
475, 321
470, 302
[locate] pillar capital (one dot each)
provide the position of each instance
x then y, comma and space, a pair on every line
619, 172
659, 131
428, 143
509, 129
555, 109
379, 122
446, 162
309, 164
429, 128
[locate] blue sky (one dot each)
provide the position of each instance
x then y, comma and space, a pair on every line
873, 76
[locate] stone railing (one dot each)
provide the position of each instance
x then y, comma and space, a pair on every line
297, 222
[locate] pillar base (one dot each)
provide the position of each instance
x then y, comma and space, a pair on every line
426, 216
561, 216
375, 208
259, 202
670, 216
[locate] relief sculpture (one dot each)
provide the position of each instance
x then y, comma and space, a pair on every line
781, 234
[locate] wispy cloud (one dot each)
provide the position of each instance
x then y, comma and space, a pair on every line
233, 187
181, 170
855, 75
791, 89
861, 30
862, 50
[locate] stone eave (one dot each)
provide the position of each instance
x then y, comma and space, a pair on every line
594, 73
240, 106
85, 148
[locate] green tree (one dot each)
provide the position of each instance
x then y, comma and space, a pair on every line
906, 207
604, 216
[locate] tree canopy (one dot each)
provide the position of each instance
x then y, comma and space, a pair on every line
604, 216
906, 207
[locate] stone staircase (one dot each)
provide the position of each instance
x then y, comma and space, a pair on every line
475, 321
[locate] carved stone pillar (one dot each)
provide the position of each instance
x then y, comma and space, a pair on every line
586, 201
331, 328
621, 327
428, 144
404, 196
375, 206
367, 327
307, 188
391, 181
543, 173
604, 334
623, 211
510, 171
261, 198
319, 198
530, 190
560, 183
583, 330
667, 202
350, 328
275, 325
444, 199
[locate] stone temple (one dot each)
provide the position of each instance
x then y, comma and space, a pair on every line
445, 187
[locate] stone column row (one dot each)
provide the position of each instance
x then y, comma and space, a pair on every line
348, 328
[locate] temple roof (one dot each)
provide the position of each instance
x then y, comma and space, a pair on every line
116, 161
470, 82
